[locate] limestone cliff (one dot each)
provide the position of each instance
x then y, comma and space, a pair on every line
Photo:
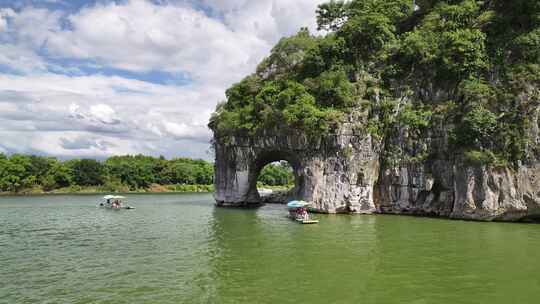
405, 107
346, 173
455, 190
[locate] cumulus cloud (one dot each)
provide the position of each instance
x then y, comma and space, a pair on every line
108, 107
184, 131
85, 143
57, 88
20, 59
104, 114
140, 36
267, 20
31, 27
3, 23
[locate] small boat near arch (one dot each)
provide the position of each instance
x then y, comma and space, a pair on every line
298, 212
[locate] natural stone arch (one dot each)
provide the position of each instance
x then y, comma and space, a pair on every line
336, 173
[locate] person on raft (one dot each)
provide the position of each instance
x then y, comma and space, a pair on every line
301, 213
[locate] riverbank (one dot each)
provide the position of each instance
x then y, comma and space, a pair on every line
154, 188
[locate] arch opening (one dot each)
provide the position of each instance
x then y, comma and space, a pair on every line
277, 177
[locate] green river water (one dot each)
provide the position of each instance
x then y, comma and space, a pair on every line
181, 249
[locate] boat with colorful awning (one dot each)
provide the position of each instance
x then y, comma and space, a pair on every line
298, 212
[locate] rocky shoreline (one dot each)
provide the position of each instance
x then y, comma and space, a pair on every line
346, 173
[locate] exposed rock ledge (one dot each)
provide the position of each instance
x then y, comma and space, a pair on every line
343, 174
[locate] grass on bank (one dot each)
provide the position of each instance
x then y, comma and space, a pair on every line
154, 188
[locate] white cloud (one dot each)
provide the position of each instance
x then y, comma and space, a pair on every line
105, 107
5, 13
54, 113
31, 27
140, 36
20, 59
85, 143
3, 24
104, 113
184, 131
268, 19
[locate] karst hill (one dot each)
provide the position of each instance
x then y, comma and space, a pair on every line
408, 107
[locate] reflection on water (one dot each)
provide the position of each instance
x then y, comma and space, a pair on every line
180, 249
267, 258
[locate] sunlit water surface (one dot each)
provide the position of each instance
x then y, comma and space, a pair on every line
181, 249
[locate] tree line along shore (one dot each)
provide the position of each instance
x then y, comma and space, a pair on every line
31, 174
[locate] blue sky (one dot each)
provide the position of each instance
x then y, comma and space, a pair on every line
99, 78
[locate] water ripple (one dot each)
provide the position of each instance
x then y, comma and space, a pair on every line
180, 249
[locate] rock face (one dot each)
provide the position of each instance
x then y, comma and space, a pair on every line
346, 173
463, 192
337, 174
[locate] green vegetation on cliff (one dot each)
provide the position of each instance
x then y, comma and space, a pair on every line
467, 69
37, 174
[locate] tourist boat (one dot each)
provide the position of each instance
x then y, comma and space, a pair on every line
115, 202
299, 213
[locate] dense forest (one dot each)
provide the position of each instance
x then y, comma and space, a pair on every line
468, 67
30, 173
